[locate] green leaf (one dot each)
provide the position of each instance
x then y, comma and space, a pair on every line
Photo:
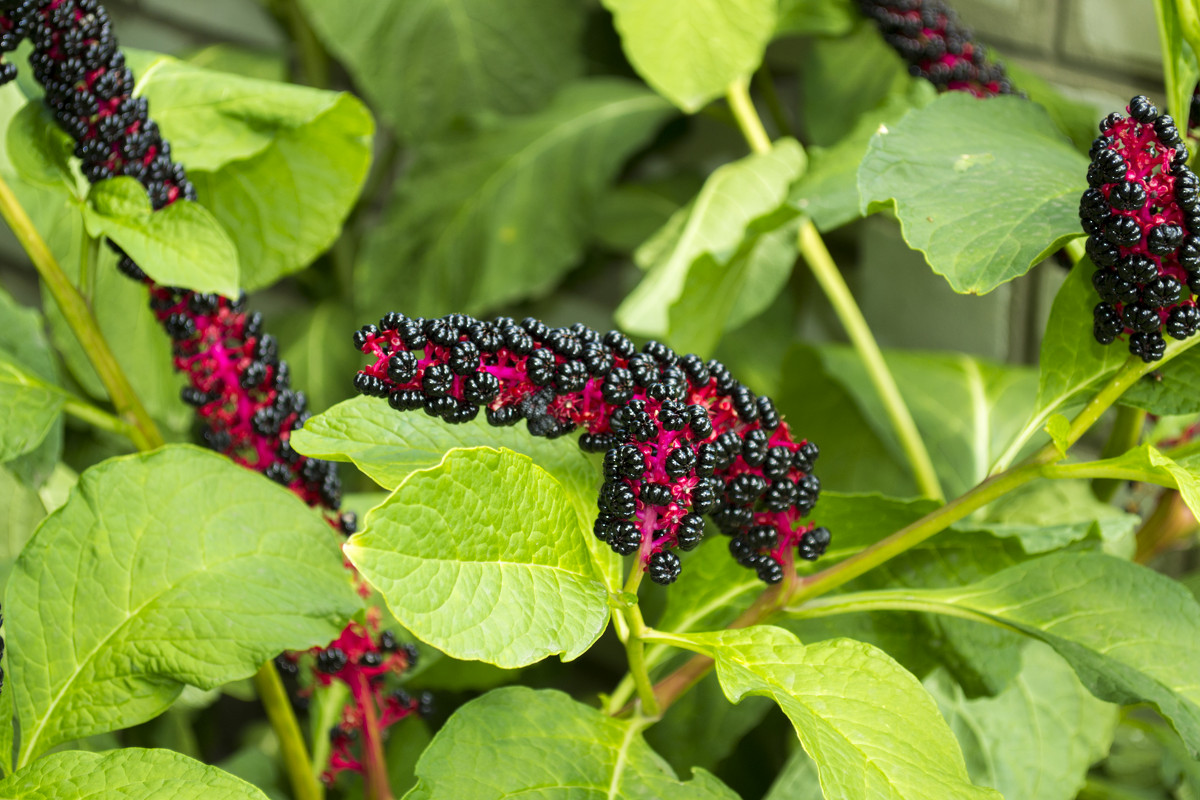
966, 409
1035, 740
715, 225
279, 166
21, 513
798, 778
508, 583
141, 583
426, 63
846, 700
40, 151
690, 52
821, 17
1173, 389
500, 214
1131, 634
520, 742
389, 446
1145, 463
180, 245
828, 191
32, 409
717, 298
1072, 362
984, 188
131, 774
1180, 67
316, 365
1076, 119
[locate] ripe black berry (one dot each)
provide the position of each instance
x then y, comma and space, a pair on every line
664, 568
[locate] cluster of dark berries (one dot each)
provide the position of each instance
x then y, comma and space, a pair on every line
937, 47
363, 662
238, 385
1141, 212
682, 438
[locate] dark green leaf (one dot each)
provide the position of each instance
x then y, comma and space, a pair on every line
704, 708
141, 584
1077, 120
984, 188
508, 583
180, 245
520, 742
1174, 389
691, 52
424, 64
131, 774
825, 17
846, 699
714, 225
500, 214
1036, 739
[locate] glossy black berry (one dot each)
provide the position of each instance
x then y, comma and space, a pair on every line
690, 531
745, 489
406, 399
570, 376
1161, 292
1182, 322
617, 498
481, 388
680, 461
1137, 268
1147, 346
1141, 109
624, 538
706, 495
1123, 231
1140, 318
1107, 324
1101, 252
664, 568
332, 660
1126, 196
402, 367
1164, 239
655, 494
617, 387
437, 381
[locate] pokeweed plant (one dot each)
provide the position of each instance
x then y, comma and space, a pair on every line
955, 599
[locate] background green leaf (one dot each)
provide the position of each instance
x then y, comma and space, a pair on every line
28, 381
846, 699
279, 166
180, 245
1036, 739
518, 741
131, 774
142, 583
984, 188
427, 63
691, 51
508, 583
499, 214
714, 225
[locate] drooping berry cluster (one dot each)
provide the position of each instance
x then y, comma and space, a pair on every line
362, 659
937, 47
681, 437
237, 383
1141, 212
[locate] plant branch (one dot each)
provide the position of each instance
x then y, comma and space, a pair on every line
78, 315
99, 418
1126, 432
305, 784
812, 247
738, 96
762, 79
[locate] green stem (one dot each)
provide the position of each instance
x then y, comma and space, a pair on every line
886, 600
1189, 20
1126, 432
738, 96
144, 433
830, 278
305, 785
99, 418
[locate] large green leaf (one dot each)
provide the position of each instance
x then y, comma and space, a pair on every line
1131, 634
425, 63
847, 700
984, 188
131, 774
389, 446
1172, 390
520, 742
509, 583
21, 513
143, 582
1072, 362
499, 214
279, 166
180, 245
1180, 66
713, 226
691, 51
1035, 740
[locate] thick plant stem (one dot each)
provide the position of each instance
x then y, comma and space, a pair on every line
1126, 432
830, 278
738, 96
1170, 524
305, 785
99, 418
377, 785
144, 433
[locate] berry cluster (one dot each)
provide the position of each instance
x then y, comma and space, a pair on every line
681, 437
363, 661
937, 47
237, 383
1141, 212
